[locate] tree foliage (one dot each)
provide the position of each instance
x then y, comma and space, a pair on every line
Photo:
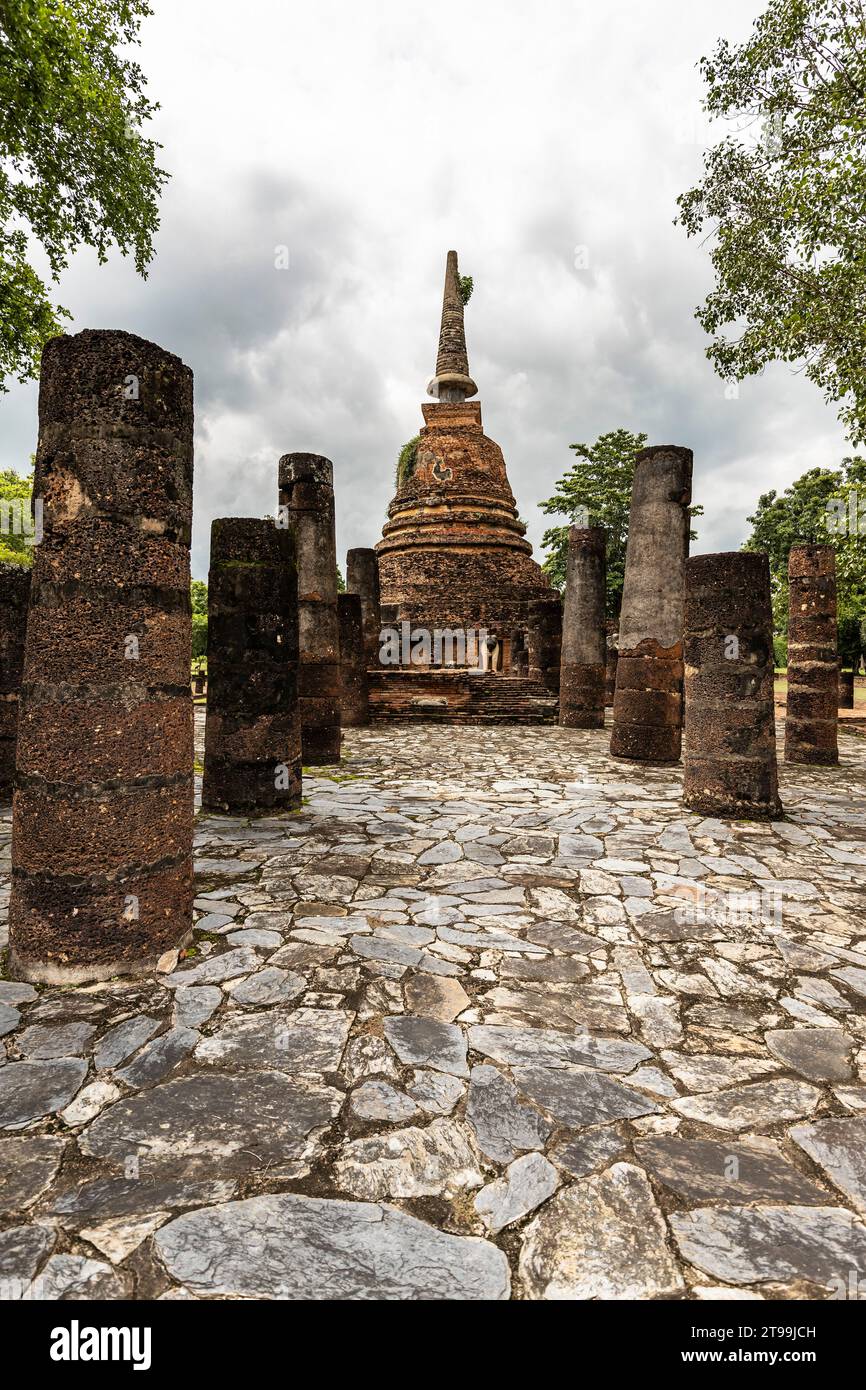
596, 491
16, 534
465, 284
198, 599
74, 167
826, 506
783, 200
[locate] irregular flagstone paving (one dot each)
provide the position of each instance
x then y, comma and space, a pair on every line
492, 1016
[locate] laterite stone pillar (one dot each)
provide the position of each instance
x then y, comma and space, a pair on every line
545, 641
14, 594
519, 655
307, 501
584, 650
355, 704
647, 706
611, 658
811, 718
362, 578
252, 760
846, 689
103, 808
730, 731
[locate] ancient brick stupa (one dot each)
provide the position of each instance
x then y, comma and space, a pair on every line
453, 552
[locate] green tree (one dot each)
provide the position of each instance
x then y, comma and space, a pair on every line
198, 599
783, 200
17, 535
827, 506
74, 167
596, 491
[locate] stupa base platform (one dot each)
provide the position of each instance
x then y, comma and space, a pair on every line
459, 697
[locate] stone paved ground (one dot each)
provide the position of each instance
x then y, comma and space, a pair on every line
492, 1016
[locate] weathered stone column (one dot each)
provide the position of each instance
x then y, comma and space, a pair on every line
519, 654
362, 578
307, 495
14, 594
730, 730
584, 651
103, 808
647, 705
611, 658
545, 641
811, 716
355, 701
846, 689
252, 759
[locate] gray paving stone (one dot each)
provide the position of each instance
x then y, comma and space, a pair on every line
710, 1170
820, 1054
838, 1146
755, 1244
195, 1005
575, 1098
157, 1058
14, 992
229, 965
306, 1040
297, 1247
22, 1251
504, 1125
513, 1046
29, 1090
74, 1278
269, 986
122, 1040
41, 1043
217, 1124
117, 1197
377, 1100
581, 1154
9, 1019
525, 1184
28, 1164
410, 1162
435, 1091
424, 1042
741, 1107
604, 1238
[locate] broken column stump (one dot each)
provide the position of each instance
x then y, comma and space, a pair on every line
362, 578
14, 595
252, 760
647, 705
545, 641
584, 649
730, 730
355, 702
811, 715
103, 808
307, 504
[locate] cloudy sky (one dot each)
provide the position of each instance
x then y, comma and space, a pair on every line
546, 142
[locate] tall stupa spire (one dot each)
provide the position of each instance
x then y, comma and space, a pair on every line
452, 381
